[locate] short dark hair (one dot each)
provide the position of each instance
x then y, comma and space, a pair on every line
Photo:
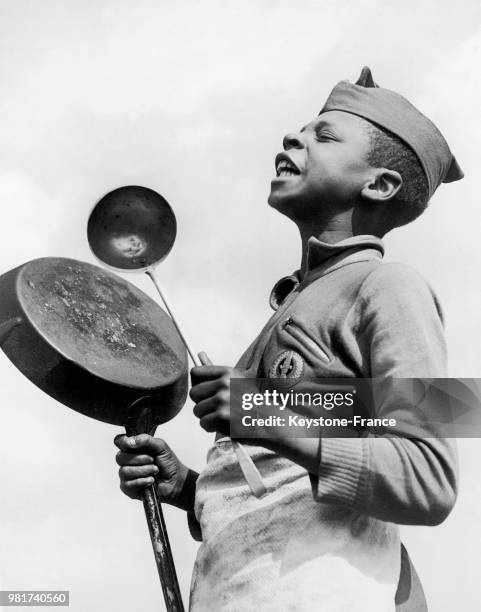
389, 151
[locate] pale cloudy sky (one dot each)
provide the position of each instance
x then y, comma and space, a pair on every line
192, 99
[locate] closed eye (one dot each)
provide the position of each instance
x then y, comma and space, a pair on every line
324, 135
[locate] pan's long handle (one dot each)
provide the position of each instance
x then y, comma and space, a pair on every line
248, 467
162, 551
139, 420
168, 307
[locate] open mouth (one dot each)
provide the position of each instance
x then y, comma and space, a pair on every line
285, 166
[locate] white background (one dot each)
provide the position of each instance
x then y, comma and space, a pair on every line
192, 99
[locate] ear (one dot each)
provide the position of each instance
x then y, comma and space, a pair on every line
383, 186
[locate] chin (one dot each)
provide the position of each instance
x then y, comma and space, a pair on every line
283, 205
272, 200
279, 197
276, 202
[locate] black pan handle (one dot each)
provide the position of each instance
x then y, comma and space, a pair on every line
139, 420
162, 551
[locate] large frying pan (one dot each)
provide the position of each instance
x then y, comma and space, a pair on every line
99, 345
92, 340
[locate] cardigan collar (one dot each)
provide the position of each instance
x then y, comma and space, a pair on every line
323, 257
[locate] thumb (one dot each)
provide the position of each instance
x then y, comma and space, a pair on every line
142, 443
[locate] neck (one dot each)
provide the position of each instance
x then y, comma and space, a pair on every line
331, 235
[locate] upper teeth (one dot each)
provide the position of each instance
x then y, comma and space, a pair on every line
285, 167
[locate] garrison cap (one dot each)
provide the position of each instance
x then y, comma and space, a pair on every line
391, 111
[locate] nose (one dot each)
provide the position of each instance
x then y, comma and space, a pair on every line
292, 141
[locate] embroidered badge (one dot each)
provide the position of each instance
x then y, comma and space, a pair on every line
288, 364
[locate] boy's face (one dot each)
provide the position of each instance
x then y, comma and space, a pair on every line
323, 167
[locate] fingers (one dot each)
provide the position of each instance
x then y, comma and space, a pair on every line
135, 478
135, 488
129, 459
209, 388
210, 423
133, 472
217, 403
143, 461
134, 466
204, 407
141, 444
208, 372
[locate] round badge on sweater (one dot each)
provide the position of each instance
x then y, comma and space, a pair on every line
288, 364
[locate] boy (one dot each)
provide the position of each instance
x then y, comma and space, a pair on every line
325, 535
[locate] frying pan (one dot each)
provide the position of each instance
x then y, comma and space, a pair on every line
101, 346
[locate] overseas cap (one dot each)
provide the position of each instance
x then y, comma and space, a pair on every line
394, 113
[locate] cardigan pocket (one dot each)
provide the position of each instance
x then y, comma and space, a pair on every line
305, 339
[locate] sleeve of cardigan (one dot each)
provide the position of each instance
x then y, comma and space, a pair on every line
194, 527
394, 478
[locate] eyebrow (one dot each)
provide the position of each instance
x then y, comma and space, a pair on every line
321, 123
